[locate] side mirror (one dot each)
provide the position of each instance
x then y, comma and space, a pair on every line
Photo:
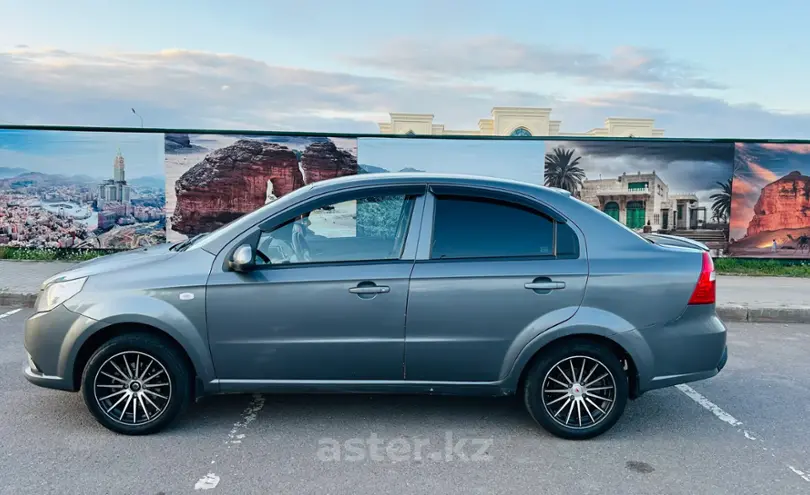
242, 259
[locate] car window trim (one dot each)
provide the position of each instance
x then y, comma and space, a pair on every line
440, 191
497, 194
289, 214
411, 192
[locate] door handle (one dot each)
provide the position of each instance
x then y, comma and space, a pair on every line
550, 285
373, 289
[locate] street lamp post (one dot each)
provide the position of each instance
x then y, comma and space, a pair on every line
136, 114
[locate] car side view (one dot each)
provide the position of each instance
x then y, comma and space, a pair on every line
386, 283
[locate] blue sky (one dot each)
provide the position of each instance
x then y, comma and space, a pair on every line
699, 68
521, 160
85, 153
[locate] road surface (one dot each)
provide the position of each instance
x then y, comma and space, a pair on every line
744, 431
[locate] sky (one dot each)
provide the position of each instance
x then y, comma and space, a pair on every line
701, 69
757, 166
81, 153
515, 160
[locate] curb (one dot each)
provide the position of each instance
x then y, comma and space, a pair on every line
17, 299
742, 313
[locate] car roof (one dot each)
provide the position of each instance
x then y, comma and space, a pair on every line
395, 178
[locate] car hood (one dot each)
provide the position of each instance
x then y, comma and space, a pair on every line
114, 262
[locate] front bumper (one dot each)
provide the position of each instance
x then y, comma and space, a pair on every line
49, 342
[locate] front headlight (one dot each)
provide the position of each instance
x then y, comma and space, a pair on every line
59, 292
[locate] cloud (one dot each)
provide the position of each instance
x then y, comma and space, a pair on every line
184, 89
762, 173
663, 152
181, 88
497, 55
802, 149
685, 115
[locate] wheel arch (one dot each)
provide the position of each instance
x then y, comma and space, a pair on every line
95, 340
518, 378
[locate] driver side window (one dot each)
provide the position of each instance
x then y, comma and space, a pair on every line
365, 229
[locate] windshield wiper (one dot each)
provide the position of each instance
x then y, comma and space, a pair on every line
188, 242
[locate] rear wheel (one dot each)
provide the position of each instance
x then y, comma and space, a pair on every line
136, 384
577, 390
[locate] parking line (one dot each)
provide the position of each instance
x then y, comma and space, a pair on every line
731, 420
9, 313
709, 405
249, 415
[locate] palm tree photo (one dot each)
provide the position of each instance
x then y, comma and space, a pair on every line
562, 170
721, 206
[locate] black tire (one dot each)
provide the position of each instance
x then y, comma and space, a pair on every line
169, 361
544, 370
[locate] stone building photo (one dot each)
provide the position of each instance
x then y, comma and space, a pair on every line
676, 188
214, 179
771, 201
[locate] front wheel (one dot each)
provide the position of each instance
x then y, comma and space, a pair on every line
577, 390
136, 384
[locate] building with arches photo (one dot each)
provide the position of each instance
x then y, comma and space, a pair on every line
517, 121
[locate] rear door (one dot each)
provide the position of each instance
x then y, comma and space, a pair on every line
491, 267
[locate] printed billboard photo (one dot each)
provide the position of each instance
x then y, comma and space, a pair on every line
213, 179
770, 212
674, 188
516, 160
76, 189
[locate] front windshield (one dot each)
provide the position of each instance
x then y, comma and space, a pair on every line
238, 225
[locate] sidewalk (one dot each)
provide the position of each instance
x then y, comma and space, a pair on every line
751, 299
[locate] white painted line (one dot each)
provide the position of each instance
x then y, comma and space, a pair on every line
731, 420
709, 405
9, 313
249, 415
805, 476
207, 482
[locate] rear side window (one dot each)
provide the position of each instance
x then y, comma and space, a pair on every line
481, 228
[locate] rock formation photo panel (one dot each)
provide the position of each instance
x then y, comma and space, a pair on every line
214, 179
770, 211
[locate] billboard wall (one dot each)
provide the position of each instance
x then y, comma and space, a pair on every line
678, 188
770, 211
81, 189
213, 179
120, 190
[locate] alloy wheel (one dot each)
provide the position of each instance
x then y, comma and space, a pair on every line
579, 392
132, 388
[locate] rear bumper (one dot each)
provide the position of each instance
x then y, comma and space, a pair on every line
689, 349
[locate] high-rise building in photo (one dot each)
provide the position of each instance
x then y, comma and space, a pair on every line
115, 189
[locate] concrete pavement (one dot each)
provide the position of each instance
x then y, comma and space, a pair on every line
739, 299
737, 433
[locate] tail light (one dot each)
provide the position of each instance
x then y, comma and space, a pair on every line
706, 289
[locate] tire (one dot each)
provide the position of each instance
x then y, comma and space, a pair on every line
156, 401
557, 411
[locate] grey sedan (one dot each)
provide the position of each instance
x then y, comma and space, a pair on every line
386, 283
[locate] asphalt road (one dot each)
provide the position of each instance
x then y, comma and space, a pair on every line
744, 431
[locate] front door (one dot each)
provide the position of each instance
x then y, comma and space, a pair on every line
329, 300
489, 271
635, 214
